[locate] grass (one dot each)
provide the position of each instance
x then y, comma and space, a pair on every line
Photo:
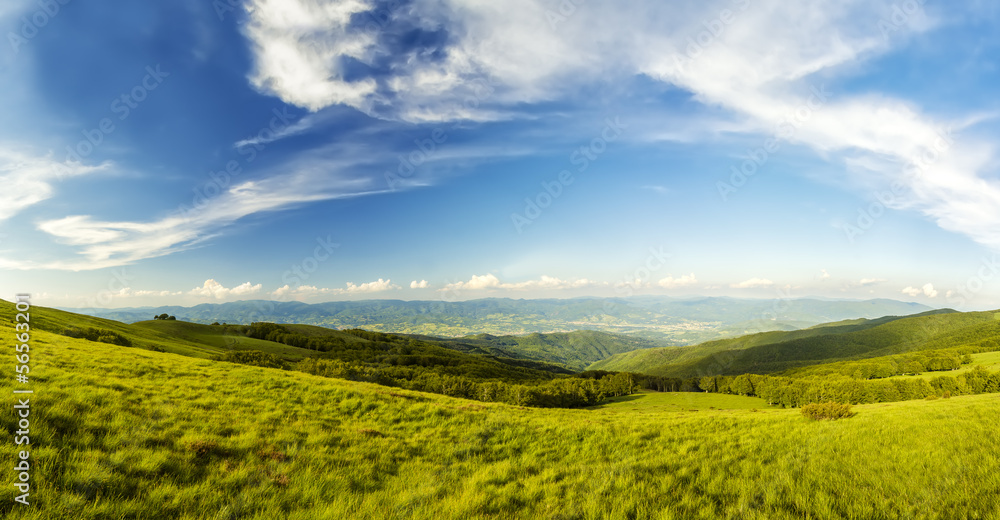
647, 402
987, 360
126, 433
214, 338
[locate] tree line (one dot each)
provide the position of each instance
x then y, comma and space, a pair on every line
896, 365
795, 392
413, 364
565, 392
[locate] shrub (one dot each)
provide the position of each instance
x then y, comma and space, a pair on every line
252, 357
832, 411
101, 335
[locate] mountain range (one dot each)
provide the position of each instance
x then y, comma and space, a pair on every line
670, 320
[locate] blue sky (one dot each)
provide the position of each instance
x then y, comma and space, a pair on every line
195, 151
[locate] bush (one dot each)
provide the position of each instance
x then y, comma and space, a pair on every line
101, 335
253, 358
832, 411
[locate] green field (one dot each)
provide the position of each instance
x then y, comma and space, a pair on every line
647, 402
987, 360
128, 433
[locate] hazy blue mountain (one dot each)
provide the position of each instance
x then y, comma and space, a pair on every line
676, 321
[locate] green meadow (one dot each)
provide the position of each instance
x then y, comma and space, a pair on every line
131, 433
988, 360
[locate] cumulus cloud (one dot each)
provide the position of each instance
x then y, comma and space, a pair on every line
753, 283
866, 282
214, 289
376, 286
305, 291
300, 48
823, 275
128, 292
927, 290
422, 284
490, 282
683, 281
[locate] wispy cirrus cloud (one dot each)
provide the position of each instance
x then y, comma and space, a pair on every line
763, 63
102, 243
28, 179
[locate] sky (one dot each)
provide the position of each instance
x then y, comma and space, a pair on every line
200, 151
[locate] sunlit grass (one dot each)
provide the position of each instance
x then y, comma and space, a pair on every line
127, 433
987, 360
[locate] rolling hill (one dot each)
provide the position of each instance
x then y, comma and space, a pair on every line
574, 350
779, 351
677, 321
132, 433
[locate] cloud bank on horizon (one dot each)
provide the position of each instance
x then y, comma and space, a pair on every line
417, 129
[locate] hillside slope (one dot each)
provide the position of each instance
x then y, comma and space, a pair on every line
574, 350
778, 351
129, 433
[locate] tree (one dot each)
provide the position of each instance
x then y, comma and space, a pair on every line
173, 318
742, 385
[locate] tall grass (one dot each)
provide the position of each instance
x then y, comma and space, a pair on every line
126, 433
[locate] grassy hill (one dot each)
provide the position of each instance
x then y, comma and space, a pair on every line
574, 350
780, 351
130, 433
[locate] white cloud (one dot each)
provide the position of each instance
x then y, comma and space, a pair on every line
28, 180
114, 243
305, 291
491, 282
670, 282
422, 284
868, 282
824, 275
753, 283
299, 46
927, 290
376, 286
214, 289
763, 66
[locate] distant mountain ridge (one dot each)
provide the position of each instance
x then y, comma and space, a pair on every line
676, 321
